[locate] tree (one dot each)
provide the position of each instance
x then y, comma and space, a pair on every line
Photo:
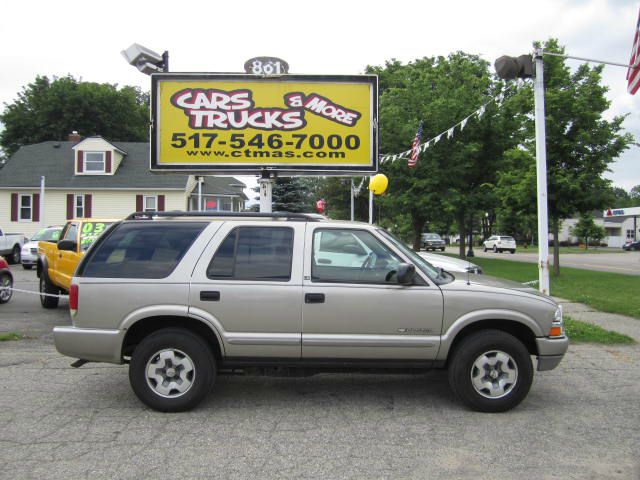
51, 109
586, 229
292, 194
581, 145
453, 178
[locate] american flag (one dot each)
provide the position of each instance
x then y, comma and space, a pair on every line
633, 74
415, 147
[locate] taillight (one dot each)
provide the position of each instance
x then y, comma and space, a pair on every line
73, 297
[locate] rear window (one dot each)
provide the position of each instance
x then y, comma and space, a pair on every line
508, 239
141, 250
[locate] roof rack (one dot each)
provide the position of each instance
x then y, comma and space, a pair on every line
308, 217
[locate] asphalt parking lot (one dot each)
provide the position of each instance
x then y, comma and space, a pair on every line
579, 421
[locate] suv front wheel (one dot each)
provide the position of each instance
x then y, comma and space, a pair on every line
491, 371
172, 370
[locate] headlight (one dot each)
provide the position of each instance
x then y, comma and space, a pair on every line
25, 250
557, 327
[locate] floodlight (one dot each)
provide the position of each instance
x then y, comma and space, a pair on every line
146, 60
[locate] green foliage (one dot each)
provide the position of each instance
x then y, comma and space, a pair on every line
581, 145
51, 109
587, 230
454, 178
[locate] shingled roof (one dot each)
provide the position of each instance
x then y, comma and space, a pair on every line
55, 160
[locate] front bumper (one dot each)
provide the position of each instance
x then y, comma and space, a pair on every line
90, 344
551, 351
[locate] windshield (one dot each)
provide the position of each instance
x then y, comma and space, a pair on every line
47, 235
432, 272
90, 232
431, 236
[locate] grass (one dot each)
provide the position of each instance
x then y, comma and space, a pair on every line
6, 337
604, 291
583, 332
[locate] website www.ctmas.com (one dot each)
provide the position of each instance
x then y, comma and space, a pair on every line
264, 154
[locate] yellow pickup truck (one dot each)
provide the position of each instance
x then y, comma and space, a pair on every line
57, 262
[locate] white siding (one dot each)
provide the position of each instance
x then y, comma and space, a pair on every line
104, 204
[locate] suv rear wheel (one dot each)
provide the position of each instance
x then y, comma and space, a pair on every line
172, 370
491, 371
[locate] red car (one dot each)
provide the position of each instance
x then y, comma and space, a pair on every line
6, 281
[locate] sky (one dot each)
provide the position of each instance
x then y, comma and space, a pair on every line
84, 39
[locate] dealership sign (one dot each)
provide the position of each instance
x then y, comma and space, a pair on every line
235, 123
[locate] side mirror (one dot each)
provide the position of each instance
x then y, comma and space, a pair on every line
68, 245
405, 274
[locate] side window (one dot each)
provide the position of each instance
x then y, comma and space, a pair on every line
351, 256
71, 233
254, 253
141, 250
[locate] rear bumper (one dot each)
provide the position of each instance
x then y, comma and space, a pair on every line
94, 345
551, 351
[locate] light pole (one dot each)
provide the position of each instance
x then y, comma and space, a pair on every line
510, 68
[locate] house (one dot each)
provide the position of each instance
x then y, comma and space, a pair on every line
621, 225
94, 177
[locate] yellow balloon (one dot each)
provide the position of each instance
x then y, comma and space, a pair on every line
378, 184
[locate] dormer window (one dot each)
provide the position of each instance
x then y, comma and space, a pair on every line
94, 162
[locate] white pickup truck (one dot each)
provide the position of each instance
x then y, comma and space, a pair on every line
11, 244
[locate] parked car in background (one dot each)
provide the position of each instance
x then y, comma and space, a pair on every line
631, 246
29, 255
6, 281
500, 243
450, 264
58, 261
432, 241
11, 245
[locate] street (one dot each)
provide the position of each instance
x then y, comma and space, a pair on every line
627, 263
579, 421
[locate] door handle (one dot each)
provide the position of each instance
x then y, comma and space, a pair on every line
314, 298
209, 296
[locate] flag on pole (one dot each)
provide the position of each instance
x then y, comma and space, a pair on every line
415, 148
633, 74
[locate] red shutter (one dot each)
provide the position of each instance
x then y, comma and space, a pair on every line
14, 207
139, 206
87, 206
35, 215
70, 206
161, 203
107, 162
80, 164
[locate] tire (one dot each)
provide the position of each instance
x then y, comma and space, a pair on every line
27, 267
47, 287
7, 283
188, 364
442, 249
513, 251
495, 249
15, 255
485, 249
488, 349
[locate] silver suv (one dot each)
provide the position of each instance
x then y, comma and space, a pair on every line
183, 297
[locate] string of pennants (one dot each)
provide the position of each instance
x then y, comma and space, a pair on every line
450, 131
